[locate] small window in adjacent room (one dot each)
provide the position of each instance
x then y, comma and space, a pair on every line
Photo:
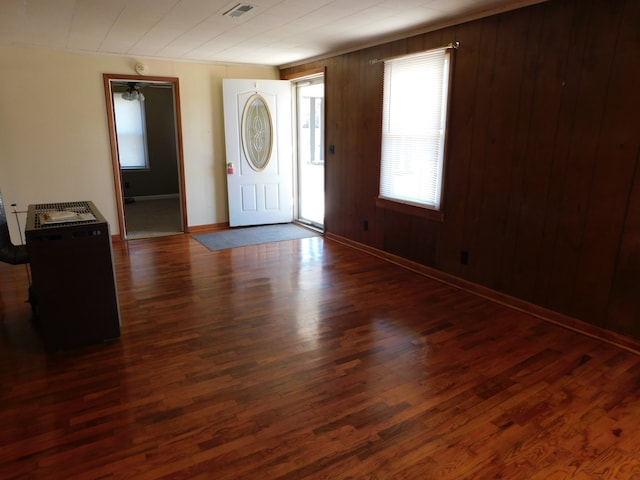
131, 132
414, 127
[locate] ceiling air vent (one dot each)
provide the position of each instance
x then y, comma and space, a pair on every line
238, 10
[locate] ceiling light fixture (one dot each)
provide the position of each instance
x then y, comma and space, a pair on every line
238, 10
132, 93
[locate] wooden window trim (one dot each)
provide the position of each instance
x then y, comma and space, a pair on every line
409, 209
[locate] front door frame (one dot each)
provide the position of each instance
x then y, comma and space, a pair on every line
108, 79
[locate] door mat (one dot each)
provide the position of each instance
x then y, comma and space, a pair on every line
244, 236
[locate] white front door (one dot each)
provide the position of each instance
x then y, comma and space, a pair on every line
257, 119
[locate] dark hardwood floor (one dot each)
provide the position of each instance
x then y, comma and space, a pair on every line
308, 359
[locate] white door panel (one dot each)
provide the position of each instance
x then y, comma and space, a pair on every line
259, 147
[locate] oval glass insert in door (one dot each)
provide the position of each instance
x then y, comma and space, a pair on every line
257, 132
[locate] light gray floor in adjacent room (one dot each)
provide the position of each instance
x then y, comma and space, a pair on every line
153, 218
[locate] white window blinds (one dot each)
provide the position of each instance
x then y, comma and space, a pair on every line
131, 130
413, 127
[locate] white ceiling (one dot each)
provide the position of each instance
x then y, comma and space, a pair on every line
274, 32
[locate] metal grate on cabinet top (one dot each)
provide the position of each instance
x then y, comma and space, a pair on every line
86, 214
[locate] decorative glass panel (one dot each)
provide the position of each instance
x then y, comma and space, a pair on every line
257, 132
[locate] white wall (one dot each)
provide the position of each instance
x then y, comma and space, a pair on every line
54, 140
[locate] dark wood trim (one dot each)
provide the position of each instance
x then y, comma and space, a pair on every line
113, 142
425, 212
180, 152
537, 311
303, 73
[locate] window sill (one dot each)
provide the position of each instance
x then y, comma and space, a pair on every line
424, 212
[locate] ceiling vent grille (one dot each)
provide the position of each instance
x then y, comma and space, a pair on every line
238, 10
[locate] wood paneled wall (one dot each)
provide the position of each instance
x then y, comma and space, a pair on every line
541, 187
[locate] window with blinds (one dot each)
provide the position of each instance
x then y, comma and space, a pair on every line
131, 131
413, 128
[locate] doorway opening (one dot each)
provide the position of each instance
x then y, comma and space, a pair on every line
146, 150
310, 154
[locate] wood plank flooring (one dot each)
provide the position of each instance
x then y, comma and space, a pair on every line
308, 359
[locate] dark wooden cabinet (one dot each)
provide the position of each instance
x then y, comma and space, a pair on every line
74, 288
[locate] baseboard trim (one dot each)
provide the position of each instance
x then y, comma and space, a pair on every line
144, 198
191, 230
197, 229
561, 320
